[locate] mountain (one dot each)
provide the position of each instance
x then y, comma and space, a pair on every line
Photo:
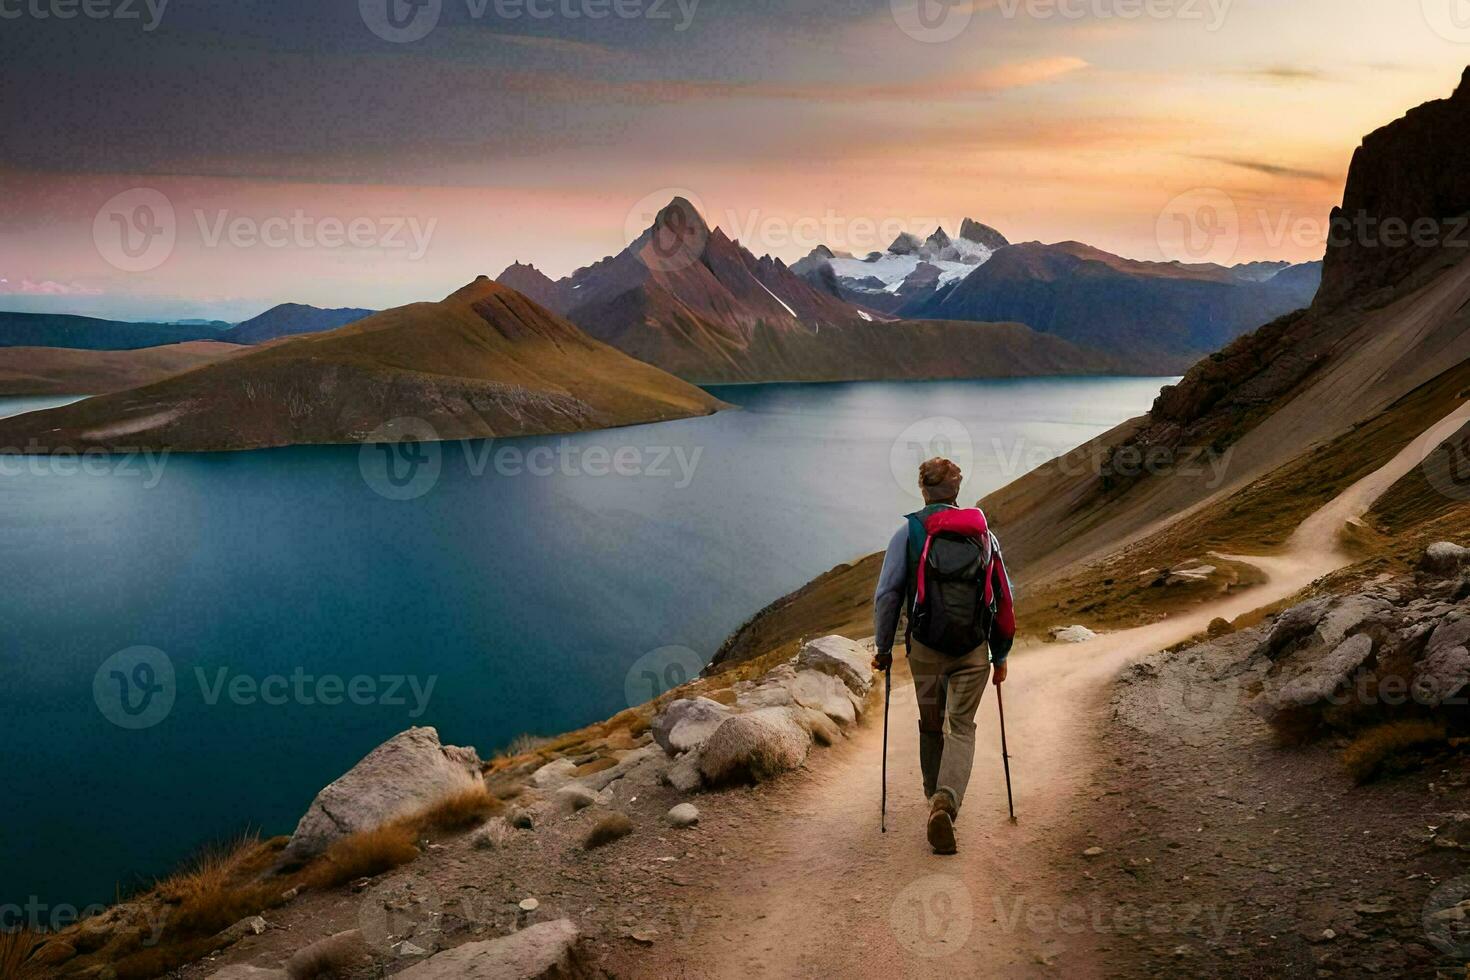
66, 371
533, 283
690, 300
289, 319
89, 333
908, 272
486, 361
1155, 310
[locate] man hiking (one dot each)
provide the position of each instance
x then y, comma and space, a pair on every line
944, 569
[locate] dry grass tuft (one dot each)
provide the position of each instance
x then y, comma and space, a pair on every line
363, 855
335, 956
614, 826
220, 886
458, 811
1374, 749
16, 947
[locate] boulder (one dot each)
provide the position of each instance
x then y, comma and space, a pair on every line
773, 693
1445, 669
410, 770
824, 730
574, 797
684, 774
240, 971
628, 763
1072, 634
844, 659
1324, 623
545, 950
684, 815
754, 747
1445, 559
1296, 623
824, 693
554, 773
1318, 682
687, 722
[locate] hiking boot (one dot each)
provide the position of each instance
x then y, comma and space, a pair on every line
941, 824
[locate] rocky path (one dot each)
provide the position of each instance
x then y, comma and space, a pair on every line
818, 891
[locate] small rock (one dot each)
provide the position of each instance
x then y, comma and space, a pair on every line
684, 815
575, 797
529, 905
554, 773
547, 949
405, 948
684, 774
643, 937
1072, 634
1093, 852
1444, 558
522, 820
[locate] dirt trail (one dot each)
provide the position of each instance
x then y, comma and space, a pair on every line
816, 891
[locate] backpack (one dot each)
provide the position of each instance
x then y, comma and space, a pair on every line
953, 605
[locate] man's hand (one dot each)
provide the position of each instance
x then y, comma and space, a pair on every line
998, 674
882, 661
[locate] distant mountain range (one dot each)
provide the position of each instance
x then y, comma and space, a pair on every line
90, 333
483, 362
689, 299
68, 371
289, 319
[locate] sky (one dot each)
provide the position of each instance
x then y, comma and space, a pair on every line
166, 159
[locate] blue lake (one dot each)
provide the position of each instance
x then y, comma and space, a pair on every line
308, 603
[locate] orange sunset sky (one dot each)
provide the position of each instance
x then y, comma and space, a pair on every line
550, 137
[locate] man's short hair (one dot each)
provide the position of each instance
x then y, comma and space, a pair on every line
939, 480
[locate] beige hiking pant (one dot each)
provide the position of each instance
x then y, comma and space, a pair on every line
949, 691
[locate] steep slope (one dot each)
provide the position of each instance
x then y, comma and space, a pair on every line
289, 319
483, 362
65, 371
688, 299
89, 333
534, 284
1097, 299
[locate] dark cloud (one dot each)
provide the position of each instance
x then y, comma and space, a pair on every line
1263, 167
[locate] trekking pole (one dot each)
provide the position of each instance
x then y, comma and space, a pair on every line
1004, 755
887, 690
